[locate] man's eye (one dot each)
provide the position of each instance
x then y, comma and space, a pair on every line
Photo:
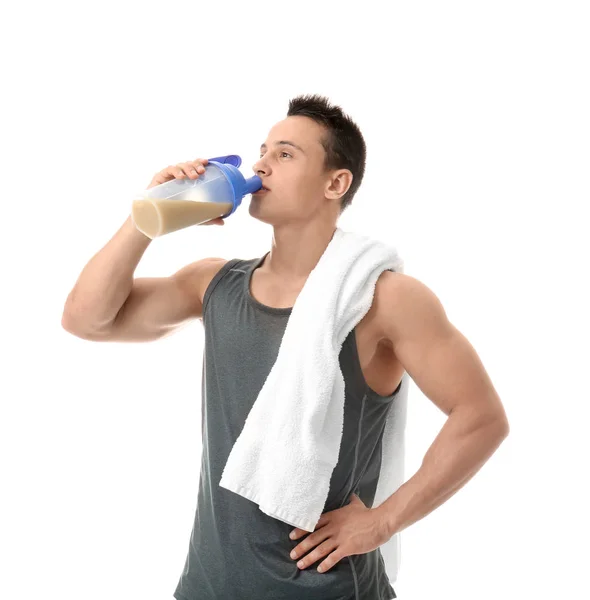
261, 155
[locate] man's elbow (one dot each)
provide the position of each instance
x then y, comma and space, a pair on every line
502, 425
496, 422
506, 429
497, 416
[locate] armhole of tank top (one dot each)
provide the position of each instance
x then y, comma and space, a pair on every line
370, 392
216, 279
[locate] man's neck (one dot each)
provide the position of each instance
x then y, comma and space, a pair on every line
295, 252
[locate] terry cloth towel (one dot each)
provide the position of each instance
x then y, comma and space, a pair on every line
285, 454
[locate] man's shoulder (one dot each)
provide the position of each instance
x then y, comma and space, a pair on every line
210, 267
400, 299
203, 272
392, 293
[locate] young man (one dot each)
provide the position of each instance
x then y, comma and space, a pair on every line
311, 164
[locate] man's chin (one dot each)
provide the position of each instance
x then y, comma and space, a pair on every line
256, 210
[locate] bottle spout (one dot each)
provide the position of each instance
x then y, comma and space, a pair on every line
238, 184
252, 184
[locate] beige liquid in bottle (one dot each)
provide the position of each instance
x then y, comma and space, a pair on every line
158, 216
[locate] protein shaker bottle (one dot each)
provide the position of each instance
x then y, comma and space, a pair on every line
180, 203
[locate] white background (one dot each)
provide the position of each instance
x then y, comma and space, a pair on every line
477, 125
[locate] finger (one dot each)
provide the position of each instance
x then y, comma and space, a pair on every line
194, 168
324, 518
298, 532
318, 553
170, 172
155, 181
188, 169
167, 174
310, 542
199, 164
332, 559
163, 176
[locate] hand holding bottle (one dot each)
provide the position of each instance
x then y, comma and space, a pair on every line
199, 192
190, 169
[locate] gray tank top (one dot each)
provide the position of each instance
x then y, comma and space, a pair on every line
237, 552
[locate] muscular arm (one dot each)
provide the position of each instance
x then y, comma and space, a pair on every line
158, 306
445, 366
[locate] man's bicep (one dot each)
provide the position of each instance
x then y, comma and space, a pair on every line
437, 356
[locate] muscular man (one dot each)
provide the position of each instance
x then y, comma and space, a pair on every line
311, 164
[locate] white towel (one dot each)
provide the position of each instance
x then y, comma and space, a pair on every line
284, 457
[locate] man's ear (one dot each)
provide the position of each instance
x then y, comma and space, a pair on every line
339, 183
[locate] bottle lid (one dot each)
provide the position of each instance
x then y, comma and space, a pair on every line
229, 159
239, 184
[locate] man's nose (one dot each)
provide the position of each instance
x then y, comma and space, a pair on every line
260, 167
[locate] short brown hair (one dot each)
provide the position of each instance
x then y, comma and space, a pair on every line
344, 143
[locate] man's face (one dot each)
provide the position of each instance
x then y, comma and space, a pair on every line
294, 174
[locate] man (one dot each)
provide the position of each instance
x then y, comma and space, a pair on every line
311, 164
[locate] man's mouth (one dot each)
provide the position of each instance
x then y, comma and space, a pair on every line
262, 190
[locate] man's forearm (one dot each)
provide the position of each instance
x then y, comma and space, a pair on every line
463, 445
106, 281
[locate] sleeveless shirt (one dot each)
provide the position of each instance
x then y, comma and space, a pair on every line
237, 552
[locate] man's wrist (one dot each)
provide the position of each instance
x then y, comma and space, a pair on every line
386, 520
